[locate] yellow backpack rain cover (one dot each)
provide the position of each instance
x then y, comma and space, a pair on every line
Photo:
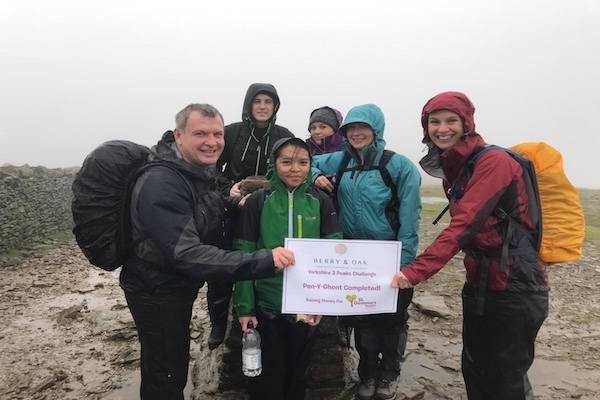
563, 221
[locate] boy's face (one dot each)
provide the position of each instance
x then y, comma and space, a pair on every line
262, 108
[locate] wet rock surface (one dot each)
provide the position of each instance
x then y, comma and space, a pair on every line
67, 333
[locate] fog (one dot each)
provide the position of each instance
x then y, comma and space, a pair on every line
75, 73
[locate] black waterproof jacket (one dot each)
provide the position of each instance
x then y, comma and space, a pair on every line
247, 148
177, 215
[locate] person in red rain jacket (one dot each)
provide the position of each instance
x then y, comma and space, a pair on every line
504, 306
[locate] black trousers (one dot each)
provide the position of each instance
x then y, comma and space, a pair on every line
498, 346
286, 349
163, 325
384, 334
218, 297
218, 294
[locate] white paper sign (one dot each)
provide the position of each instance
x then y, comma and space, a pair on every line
341, 277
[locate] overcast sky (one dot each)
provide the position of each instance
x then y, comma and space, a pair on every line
75, 73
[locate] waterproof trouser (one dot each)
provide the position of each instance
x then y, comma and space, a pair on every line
163, 325
498, 346
384, 334
286, 350
218, 297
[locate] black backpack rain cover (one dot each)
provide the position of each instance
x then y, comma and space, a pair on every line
101, 197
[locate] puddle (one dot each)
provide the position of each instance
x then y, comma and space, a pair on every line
561, 374
95, 299
131, 383
545, 376
419, 365
131, 388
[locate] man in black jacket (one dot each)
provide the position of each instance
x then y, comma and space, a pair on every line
248, 145
177, 213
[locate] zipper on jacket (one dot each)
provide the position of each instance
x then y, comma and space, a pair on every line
291, 213
257, 166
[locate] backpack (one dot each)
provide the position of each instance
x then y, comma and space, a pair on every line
556, 212
562, 215
391, 209
101, 198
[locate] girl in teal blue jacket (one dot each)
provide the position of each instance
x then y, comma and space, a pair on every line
363, 197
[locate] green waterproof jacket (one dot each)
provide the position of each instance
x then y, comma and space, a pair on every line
306, 212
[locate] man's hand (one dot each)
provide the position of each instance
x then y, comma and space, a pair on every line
283, 257
400, 281
235, 189
324, 184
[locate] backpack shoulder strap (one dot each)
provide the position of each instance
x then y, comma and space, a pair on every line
475, 156
385, 174
391, 210
468, 171
342, 168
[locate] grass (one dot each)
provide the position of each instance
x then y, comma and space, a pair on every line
589, 198
52, 242
431, 211
432, 191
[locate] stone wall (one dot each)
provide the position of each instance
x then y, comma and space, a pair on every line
35, 203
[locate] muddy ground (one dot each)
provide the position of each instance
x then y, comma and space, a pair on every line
66, 332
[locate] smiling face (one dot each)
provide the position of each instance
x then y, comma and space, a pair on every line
444, 128
263, 108
202, 141
360, 135
292, 165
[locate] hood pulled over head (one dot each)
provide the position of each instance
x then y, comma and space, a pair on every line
368, 114
326, 115
287, 140
254, 90
453, 101
297, 142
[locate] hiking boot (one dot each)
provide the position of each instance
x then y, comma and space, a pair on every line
366, 389
386, 390
217, 335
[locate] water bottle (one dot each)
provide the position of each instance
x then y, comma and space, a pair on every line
251, 352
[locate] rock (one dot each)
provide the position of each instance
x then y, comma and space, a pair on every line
432, 305
253, 183
450, 364
12, 263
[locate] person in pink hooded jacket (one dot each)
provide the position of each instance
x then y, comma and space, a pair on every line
505, 299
